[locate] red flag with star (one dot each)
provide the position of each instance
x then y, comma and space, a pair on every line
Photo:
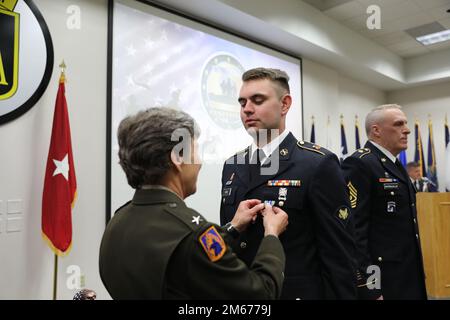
60, 183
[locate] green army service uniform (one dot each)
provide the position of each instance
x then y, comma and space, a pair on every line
155, 247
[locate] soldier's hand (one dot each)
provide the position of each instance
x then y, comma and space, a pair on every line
246, 212
275, 220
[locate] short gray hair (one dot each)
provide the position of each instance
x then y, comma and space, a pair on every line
376, 115
277, 76
145, 143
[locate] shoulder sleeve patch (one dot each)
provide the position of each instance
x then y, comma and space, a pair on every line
213, 244
310, 146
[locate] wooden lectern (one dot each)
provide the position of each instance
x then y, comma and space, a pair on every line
433, 211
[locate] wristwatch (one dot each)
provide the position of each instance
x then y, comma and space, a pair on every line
231, 230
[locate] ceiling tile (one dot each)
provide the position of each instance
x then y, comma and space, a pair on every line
326, 4
396, 16
425, 29
356, 23
439, 46
399, 10
393, 38
439, 13
345, 11
412, 52
376, 33
405, 45
381, 3
411, 21
426, 4
445, 23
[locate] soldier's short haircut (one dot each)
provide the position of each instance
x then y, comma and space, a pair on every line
145, 143
412, 164
376, 115
277, 76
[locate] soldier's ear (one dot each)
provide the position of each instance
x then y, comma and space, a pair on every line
176, 160
286, 102
376, 130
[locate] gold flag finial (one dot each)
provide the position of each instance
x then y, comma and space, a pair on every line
63, 67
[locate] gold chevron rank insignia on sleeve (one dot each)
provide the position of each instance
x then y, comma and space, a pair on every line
353, 195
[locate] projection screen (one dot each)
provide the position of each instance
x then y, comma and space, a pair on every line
163, 59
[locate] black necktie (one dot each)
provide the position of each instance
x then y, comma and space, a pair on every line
255, 168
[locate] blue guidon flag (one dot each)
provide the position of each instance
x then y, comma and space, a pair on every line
213, 244
431, 173
357, 140
418, 153
344, 152
9, 49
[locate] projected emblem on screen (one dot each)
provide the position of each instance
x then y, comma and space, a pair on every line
221, 80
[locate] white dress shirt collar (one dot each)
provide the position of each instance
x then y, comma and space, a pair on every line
385, 151
268, 148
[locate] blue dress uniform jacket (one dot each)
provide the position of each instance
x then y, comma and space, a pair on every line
153, 248
386, 231
318, 243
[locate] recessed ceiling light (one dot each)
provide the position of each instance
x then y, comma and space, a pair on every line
433, 38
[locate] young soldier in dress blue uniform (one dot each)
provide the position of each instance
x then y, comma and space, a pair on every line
384, 207
301, 178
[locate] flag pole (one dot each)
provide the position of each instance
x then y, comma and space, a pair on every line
55, 277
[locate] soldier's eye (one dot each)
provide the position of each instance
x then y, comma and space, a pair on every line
242, 102
258, 100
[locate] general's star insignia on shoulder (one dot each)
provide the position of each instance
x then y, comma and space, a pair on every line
196, 219
213, 244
